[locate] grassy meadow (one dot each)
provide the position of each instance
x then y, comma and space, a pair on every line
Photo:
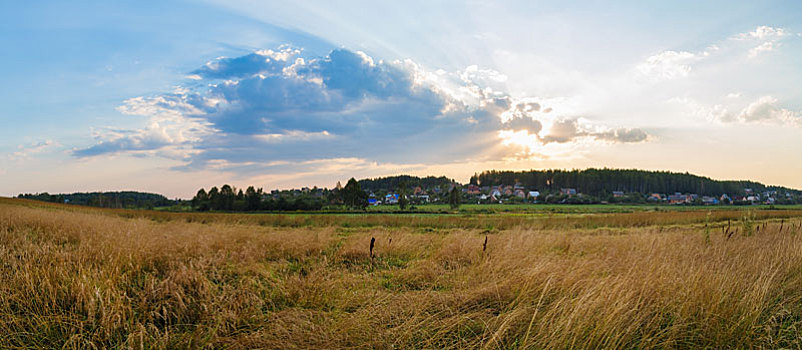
75, 277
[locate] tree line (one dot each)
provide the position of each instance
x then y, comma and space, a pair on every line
602, 182
229, 198
352, 196
124, 199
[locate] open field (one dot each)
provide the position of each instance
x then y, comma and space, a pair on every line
571, 208
77, 277
535, 209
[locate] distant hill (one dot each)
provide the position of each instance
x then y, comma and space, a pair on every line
598, 182
125, 199
390, 183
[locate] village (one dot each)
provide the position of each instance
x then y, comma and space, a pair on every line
518, 194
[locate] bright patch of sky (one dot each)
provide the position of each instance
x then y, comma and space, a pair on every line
171, 96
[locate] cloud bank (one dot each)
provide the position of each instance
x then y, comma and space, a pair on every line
274, 107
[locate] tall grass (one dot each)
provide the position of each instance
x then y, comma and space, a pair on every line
87, 279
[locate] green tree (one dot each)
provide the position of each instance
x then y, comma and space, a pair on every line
227, 197
253, 198
201, 201
214, 198
403, 201
353, 196
455, 197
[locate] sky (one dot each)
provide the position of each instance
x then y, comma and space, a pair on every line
171, 96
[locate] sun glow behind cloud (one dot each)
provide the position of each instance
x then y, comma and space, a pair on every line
277, 105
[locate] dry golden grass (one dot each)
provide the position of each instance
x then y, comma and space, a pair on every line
81, 278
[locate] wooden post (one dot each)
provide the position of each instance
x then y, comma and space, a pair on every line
372, 241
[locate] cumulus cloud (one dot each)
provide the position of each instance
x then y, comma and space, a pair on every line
768, 39
281, 106
568, 130
624, 135
250, 64
762, 33
521, 116
171, 132
765, 109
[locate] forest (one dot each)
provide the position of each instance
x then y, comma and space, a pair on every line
602, 182
124, 199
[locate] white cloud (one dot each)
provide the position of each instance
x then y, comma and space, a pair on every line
721, 113
762, 33
764, 47
674, 64
765, 109
768, 37
293, 135
171, 131
25, 152
566, 130
668, 65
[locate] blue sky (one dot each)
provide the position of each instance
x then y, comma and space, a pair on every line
171, 96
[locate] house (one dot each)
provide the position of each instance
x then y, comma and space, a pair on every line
520, 193
655, 197
618, 194
678, 198
417, 190
534, 194
725, 198
568, 191
518, 186
473, 189
391, 198
508, 191
707, 200
373, 202
770, 200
